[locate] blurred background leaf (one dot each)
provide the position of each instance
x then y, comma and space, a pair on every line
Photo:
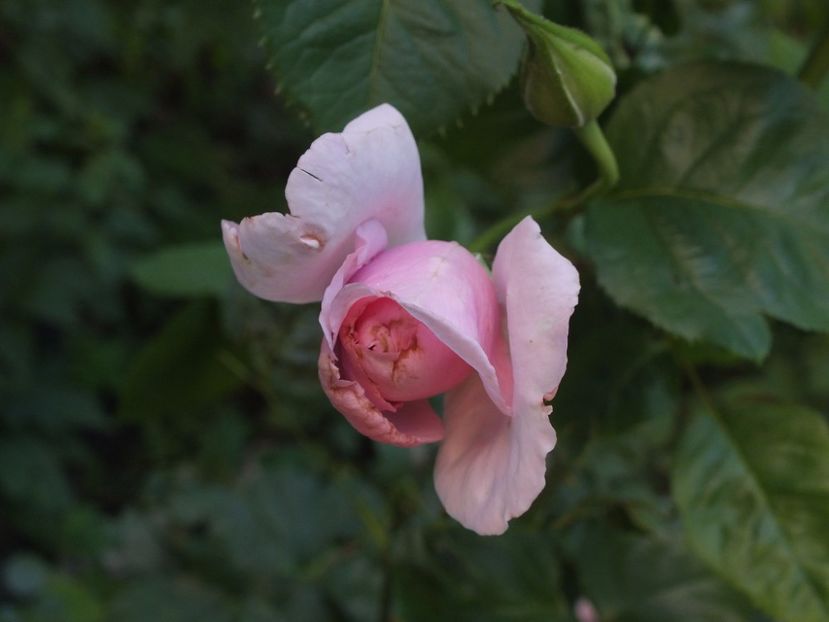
165, 450
185, 270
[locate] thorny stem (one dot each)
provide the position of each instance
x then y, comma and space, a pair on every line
592, 137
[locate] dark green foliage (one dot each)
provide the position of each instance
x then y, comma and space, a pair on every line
432, 59
635, 578
720, 216
751, 480
166, 452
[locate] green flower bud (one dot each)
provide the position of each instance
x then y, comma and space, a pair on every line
566, 78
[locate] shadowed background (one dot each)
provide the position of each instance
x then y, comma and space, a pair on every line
166, 452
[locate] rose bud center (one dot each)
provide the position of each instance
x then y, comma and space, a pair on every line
400, 356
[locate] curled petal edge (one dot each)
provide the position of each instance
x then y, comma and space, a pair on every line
490, 468
415, 423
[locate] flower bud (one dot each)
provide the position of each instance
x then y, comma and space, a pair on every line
400, 356
394, 356
566, 78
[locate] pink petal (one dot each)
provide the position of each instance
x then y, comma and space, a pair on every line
442, 285
539, 289
414, 424
491, 467
371, 238
488, 466
369, 171
383, 347
418, 419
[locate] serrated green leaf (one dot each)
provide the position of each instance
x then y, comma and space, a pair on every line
752, 485
432, 59
185, 270
722, 213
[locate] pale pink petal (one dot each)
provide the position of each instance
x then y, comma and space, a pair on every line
442, 285
417, 418
585, 611
539, 289
265, 252
465, 346
491, 467
488, 466
371, 238
414, 424
369, 171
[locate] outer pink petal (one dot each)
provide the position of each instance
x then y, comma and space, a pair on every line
491, 467
488, 466
442, 285
539, 288
369, 171
414, 424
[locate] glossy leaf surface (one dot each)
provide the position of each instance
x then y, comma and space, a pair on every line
752, 485
432, 59
722, 214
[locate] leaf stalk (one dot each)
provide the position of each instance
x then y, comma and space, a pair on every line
593, 139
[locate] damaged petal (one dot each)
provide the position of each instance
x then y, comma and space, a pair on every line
312, 241
416, 423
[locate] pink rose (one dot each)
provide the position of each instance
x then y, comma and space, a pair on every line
405, 319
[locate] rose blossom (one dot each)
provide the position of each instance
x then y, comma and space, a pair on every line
405, 319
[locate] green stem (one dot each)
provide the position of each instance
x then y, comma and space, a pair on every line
816, 66
592, 137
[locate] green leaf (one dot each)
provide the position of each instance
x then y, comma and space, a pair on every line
283, 522
630, 578
752, 485
186, 270
432, 59
179, 373
513, 577
722, 213
32, 482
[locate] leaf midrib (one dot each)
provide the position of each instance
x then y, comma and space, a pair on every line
651, 192
380, 33
755, 482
